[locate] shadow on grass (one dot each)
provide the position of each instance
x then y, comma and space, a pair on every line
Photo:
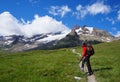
101, 69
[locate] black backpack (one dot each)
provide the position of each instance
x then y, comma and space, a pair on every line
90, 50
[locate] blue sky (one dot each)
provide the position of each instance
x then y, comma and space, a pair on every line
102, 14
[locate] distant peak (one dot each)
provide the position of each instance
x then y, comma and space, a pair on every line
75, 27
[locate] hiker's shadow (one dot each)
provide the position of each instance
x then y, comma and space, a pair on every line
101, 69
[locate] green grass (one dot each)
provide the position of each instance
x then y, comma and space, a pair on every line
59, 65
106, 62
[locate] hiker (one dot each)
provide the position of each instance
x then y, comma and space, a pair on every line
86, 57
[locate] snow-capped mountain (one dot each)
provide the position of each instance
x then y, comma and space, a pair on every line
91, 33
20, 43
55, 40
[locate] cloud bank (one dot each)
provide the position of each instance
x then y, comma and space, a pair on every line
94, 9
9, 25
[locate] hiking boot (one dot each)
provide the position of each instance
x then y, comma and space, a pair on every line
88, 74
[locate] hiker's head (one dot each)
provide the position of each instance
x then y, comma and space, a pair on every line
84, 44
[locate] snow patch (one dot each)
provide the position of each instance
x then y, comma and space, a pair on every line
8, 42
90, 29
53, 37
78, 31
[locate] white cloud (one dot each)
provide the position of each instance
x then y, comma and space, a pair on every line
118, 15
81, 11
9, 25
44, 24
56, 10
97, 8
94, 9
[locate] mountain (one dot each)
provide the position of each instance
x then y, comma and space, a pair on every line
71, 38
22, 43
90, 33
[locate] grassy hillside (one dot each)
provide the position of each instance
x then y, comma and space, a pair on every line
59, 65
106, 63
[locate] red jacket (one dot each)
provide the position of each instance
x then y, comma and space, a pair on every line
84, 51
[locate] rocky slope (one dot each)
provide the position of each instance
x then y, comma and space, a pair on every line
90, 33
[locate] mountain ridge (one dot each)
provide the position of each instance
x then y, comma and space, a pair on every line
71, 38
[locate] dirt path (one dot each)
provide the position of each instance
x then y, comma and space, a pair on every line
90, 78
74, 51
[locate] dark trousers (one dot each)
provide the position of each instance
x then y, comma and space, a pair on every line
87, 60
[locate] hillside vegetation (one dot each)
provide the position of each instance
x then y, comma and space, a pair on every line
60, 65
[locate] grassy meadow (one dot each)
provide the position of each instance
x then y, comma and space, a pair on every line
60, 65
